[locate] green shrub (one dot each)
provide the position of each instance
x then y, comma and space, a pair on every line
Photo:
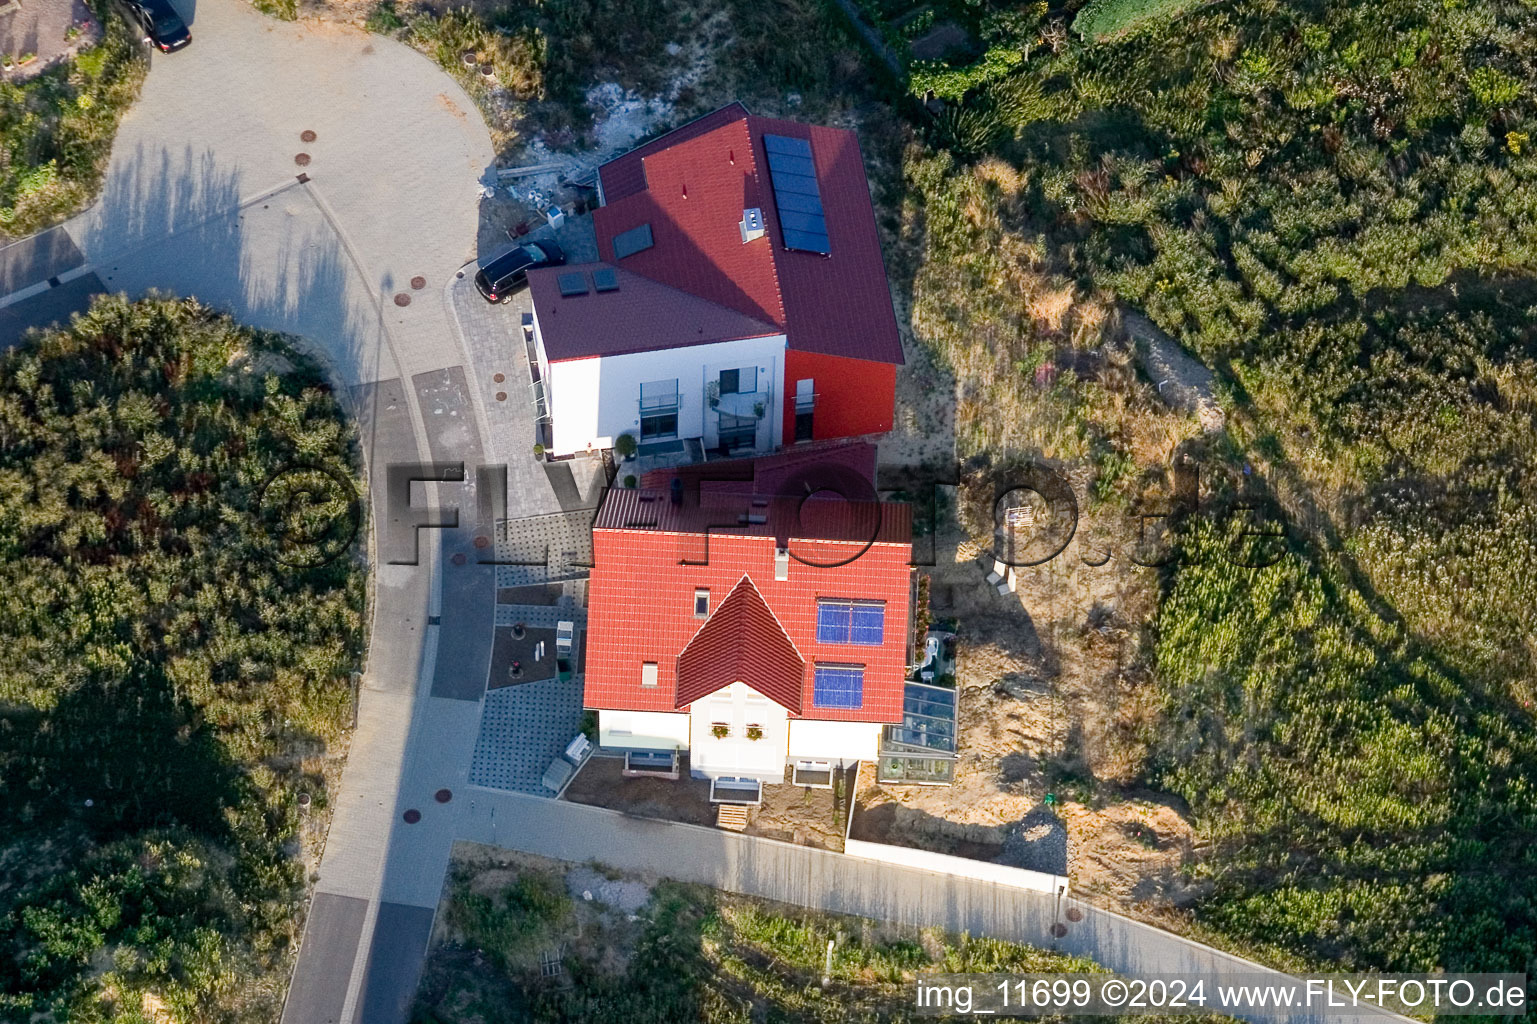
58, 129
1100, 20
164, 680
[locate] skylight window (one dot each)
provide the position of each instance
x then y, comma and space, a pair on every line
628, 243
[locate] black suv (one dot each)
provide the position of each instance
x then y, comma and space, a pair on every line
500, 275
161, 23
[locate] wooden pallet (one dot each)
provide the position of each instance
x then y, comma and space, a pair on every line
732, 816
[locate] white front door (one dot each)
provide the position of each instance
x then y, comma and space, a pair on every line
723, 727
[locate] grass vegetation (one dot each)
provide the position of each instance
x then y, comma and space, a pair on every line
167, 688
1335, 206
1099, 20
56, 129
692, 955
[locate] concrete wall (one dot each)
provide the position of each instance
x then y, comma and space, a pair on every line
998, 874
834, 741
595, 400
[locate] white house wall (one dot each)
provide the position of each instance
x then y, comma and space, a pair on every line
834, 741
643, 730
592, 401
738, 707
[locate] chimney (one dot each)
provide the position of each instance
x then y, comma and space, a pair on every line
781, 563
751, 224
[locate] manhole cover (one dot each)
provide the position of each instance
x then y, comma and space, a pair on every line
1073, 914
303, 159
459, 558
412, 816
306, 136
482, 541
1058, 930
443, 796
418, 283
499, 377
402, 299
501, 396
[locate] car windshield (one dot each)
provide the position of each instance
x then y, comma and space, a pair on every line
535, 253
506, 263
167, 23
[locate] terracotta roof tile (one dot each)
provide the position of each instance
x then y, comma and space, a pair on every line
742, 642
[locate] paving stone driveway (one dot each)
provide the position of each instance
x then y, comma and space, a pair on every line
202, 197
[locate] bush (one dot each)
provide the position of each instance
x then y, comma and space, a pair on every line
625, 446
164, 679
58, 129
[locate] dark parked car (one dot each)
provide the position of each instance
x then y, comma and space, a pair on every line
161, 23
499, 276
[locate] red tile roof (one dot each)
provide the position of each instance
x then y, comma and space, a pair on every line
639, 316
624, 175
741, 642
692, 185
650, 556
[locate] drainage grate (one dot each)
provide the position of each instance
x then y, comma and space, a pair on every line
418, 283
498, 377
412, 816
1073, 914
501, 396
1058, 930
307, 136
402, 299
303, 159
443, 796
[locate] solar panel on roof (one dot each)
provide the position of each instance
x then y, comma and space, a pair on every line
797, 197
572, 284
628, 243
605, 280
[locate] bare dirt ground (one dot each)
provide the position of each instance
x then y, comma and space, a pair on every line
1051, 700
789, 813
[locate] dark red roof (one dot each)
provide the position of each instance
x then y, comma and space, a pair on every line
692, 185
808, 495
640, 315
741, 642
624, 175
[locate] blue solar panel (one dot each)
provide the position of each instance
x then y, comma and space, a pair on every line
851, 622
869, 625
833, 622
838, 686
797, 197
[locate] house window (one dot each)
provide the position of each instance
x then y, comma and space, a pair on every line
659, 409
648, 673
805, 407
701, 603
838, 686
742, 381
737, 432
628, 243
851, 622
